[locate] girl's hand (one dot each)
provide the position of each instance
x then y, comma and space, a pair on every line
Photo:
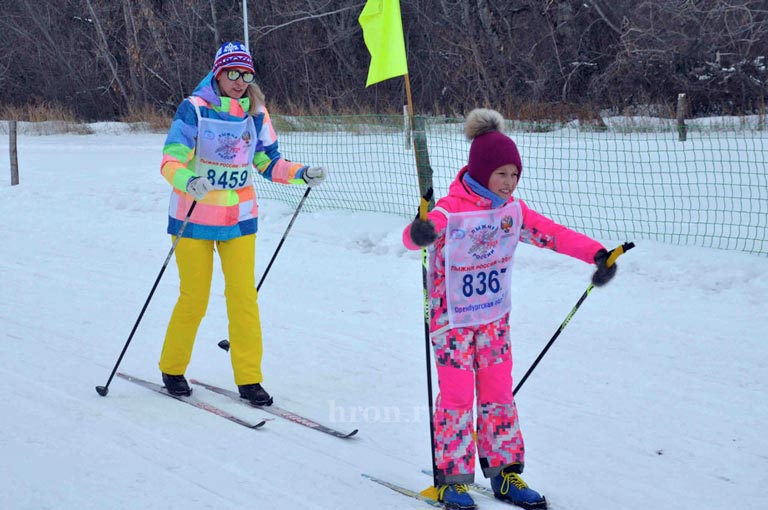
422, 232
603, 274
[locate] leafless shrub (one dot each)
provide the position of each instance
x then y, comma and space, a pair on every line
125, 59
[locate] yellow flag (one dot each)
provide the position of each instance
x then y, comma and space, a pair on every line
383, 34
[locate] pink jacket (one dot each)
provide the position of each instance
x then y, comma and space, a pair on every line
536, 229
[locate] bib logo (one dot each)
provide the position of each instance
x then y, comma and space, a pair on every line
246, 138
484, 241
458, 233
507, 223
228, 146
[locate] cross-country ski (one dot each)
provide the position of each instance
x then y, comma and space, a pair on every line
193, 401
278, 411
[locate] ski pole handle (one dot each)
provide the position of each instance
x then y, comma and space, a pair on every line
618, 252
424, 205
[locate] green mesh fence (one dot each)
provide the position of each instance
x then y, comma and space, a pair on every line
629, 179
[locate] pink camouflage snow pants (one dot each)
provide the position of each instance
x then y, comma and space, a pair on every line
477, 358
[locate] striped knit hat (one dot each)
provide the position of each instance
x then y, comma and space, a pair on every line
232, 54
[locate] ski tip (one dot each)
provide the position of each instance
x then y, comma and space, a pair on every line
351, 434
259, 425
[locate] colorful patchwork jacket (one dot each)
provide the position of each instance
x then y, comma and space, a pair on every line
222, 214
536, 229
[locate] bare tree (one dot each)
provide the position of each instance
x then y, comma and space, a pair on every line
108, 59
106, 54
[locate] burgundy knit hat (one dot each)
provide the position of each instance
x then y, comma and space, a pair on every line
232, 54
490, 147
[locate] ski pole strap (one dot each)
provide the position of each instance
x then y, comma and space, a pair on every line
617, 252
424, 205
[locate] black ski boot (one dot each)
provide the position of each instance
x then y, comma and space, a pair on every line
177, 385
255, 394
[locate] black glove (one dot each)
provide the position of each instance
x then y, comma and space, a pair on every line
604, 273
423, 233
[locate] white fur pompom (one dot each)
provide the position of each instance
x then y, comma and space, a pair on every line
481, 121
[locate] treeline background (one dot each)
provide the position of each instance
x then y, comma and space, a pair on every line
124, 59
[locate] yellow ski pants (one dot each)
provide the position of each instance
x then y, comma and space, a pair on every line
194, 258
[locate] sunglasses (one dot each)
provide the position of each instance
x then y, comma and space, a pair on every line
234, 74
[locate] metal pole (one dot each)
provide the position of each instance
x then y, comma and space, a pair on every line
615, 253
245, 24
425, 190
282, 240
103, 390
224, 344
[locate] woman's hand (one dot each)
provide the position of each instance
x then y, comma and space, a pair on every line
314, 176
198, 187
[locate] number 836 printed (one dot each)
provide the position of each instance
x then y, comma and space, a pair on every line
482, 282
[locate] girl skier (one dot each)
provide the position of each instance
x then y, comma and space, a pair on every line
472, 234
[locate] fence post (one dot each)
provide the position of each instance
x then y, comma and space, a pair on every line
420, 145
682, 129
14, 158
407, 127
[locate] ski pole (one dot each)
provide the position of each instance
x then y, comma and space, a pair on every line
224, 344
103, 390
282, 240
423, 206
615, 253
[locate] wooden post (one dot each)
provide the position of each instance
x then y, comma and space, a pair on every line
422, 161
14, 159
407, 127
682, 129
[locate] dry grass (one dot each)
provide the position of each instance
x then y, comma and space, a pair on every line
44, 119
38, 112
148, 118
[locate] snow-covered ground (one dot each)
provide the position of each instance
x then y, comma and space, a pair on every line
654, 396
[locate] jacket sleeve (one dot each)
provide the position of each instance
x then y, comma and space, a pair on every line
267, 159
179, 148
541, 231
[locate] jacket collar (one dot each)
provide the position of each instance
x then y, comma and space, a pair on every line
208, 91
469, 189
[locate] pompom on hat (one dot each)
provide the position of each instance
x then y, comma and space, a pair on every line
490, 147
232, 54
